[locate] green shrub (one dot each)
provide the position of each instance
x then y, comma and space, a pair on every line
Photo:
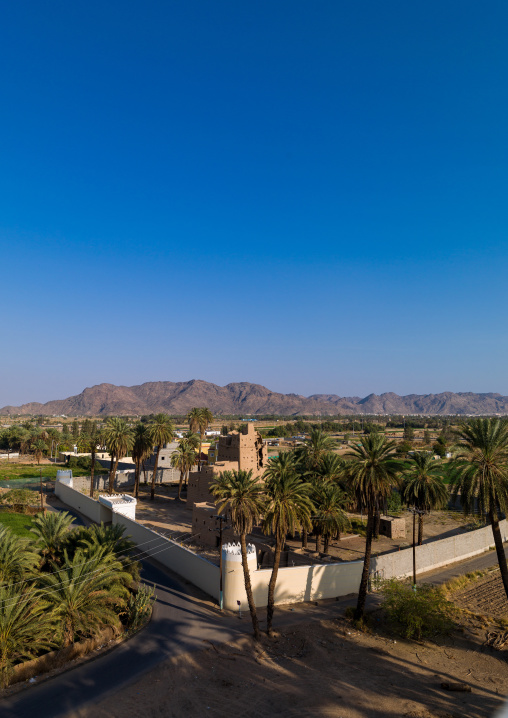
21, 498
139, 607
85, 463
419, 613
394, 503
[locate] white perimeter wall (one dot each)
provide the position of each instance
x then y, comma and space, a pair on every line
91, 508
185, 563
294, 583
434, 554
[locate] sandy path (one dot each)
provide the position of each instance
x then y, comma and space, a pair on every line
322, 669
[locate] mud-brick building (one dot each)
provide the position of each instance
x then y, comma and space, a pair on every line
239, 450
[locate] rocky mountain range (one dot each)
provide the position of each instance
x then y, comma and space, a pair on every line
243, 398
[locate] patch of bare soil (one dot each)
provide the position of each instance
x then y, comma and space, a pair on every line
486, 596
325, 669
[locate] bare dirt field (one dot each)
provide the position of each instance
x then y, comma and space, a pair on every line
325, 669
485, 596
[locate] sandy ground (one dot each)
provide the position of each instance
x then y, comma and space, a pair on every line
325, 669
169, 516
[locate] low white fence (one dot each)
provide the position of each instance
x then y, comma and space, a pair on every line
434, 554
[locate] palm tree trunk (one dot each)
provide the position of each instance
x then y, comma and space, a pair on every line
92, 471
112, 475
182, 474
326, 543
498, 540
420, 529
304, 538
364, 583
318, 542
154, 474
271, 586
377, 521
137, 471
248, 586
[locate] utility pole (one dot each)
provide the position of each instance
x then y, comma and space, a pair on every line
42, 501
420, 512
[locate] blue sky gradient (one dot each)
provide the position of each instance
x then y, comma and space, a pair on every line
311, 196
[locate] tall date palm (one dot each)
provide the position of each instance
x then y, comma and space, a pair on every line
423, 486
289, 508
242, 497
372, 473
479, 476
161, 432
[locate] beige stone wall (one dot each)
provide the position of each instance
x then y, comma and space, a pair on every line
205, 527
198, 490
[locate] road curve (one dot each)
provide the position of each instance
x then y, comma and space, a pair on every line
180, 623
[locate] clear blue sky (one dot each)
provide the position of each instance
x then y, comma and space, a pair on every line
307, 195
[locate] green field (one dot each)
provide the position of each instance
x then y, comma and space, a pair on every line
14, 471
18, 523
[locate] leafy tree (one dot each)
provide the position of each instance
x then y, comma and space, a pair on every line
426, 437
141, 450
479, 476
119, 438
423, 486
372, 473
161, 432
409, 433
288, 509
241, 496
26, 626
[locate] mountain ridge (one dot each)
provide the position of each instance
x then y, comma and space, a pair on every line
248, 398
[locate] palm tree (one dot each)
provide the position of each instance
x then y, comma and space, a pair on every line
89, 441
312, 454
479, 476
17, 559
39, 447
330, 467
161, 432
330, 517
112, 539
372, 472
199, 420
317, 447
241, 495
183, 459
26, 626
85, 592
141, 450
51, 530
119, 439
288, 509
423, 486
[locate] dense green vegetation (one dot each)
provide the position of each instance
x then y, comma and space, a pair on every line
62, 585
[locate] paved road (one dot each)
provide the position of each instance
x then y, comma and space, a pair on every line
478, 563
181, 622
